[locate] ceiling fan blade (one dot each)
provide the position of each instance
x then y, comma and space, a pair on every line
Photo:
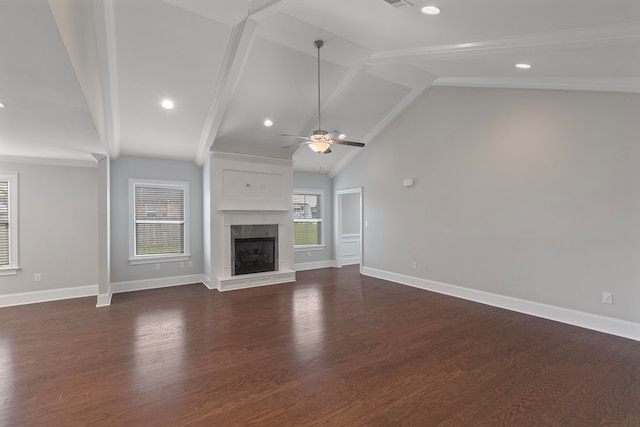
352, 143
297, 143
295, 136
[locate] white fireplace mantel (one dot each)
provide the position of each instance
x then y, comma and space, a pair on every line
247, 191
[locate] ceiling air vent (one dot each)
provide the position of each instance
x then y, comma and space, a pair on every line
399, 3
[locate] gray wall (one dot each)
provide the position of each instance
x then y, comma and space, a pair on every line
126, 167
57, 227
320, 182
524, 193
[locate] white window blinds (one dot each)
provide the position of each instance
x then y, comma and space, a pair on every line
159, 220
5, 234
307, 219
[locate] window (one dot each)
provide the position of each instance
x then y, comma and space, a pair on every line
308, 212
158, 220
8, 223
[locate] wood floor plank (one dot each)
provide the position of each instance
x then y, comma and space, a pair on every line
334, 348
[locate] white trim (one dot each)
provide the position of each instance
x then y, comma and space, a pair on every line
153, 259
245, 281
623, 85
107, 53
609, 325
303, 248
350, 235
337, 229
150, 259
576, 38
206, 280
50, 162
9, 271
252, 211
104, 300
48, 295
313, 265
322, 220
12, 185
160, 282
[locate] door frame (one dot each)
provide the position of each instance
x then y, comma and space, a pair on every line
338, 224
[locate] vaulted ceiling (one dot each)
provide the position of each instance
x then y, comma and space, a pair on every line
83, 77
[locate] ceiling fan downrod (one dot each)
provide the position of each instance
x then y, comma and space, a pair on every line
318, 44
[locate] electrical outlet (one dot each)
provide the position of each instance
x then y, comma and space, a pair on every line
181, 264
607, 297
37, 277
157, 267
414, 265
190, 263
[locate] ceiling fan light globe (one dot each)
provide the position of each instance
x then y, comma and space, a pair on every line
319, 146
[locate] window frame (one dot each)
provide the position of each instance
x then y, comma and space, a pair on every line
321, 194
156, 258
14, 265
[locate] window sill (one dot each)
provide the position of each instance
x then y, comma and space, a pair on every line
9, 271
302, 248
154, 259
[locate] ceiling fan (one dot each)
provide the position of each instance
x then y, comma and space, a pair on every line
320, 140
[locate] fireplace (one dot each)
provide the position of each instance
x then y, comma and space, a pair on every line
254, 255
254, 248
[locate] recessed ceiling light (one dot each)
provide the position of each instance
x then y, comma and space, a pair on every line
523, 66
268, 122
431, 10
2, 105
167, 104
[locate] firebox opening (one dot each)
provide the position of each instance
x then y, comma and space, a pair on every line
254, 255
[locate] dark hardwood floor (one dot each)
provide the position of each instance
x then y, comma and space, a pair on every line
333, 349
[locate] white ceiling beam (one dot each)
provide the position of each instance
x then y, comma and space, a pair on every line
74, 21
235, 58
589, 37
104, 15
259, 9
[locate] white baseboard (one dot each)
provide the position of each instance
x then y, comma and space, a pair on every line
48, 295
161, 282
609, 325
207, 282
104, 300
301, 266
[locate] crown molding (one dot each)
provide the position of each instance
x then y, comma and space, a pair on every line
587, 37
50, 161
631, 85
